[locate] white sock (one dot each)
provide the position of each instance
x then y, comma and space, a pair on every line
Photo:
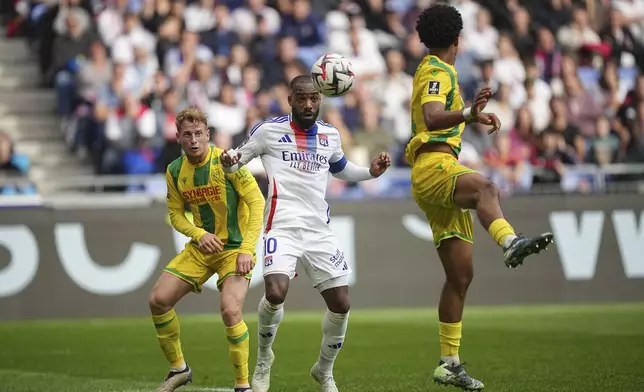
451, 361
508, 240
270, 316
179, 369
334, 327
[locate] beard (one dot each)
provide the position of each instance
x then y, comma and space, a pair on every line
305, 120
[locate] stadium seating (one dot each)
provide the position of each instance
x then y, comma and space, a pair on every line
565, 81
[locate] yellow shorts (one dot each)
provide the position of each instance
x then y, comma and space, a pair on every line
433, 179
196, 268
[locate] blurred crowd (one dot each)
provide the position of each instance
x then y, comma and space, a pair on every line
567, 77
13, 166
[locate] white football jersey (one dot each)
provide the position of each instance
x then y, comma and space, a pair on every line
297, 163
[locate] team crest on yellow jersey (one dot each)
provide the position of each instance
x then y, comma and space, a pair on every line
216, 175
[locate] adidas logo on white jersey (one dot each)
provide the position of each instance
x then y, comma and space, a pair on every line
285, 139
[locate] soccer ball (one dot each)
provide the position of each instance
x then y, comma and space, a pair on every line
332, 75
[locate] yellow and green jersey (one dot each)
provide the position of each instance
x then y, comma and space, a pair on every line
229, 206
434, 81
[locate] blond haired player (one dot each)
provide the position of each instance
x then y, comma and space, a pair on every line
227, 210
445, 190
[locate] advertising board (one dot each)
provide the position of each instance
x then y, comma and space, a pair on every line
103, 263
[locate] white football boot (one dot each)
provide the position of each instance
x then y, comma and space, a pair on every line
262, 374
326, 381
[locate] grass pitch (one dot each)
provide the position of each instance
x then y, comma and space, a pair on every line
518, 349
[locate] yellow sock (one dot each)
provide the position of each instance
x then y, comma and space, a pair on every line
450, 338
500, 229
168, 329
238, 348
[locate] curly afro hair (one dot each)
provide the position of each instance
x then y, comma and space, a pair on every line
439, 26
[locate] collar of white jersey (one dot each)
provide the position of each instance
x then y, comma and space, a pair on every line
297, 129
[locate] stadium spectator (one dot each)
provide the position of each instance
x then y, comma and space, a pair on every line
414, 52
511, 169
13, 166
548, 54
470, 157
604, 147
537, 104
523, 136
397, 84
371, 137
226, 114
579, 33
360, 46
126, 127
501, 105
308, 30
508, 68
486, 77
204, 87
483, 40
631, 122
166, 131
634, 9
563, 127
70, 46
523, 33
627, 50
584, 107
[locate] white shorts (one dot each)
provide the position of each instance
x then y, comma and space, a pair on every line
318, 251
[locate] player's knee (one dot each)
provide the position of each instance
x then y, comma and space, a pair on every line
275, 296
276, 293
461, 283
341, 305
159, 303
231, 313
337, 299
276, 288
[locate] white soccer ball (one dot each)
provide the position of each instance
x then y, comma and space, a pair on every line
332, 75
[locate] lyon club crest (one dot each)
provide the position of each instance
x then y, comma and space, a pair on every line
324, 140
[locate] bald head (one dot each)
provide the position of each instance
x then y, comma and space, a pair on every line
301, 82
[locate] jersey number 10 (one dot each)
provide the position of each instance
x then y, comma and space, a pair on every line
270, 246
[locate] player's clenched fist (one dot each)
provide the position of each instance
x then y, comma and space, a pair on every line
380, 164
244, 263
229, 157
210, 243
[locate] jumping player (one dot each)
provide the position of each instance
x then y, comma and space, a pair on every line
298, 152
227, 210
446, 190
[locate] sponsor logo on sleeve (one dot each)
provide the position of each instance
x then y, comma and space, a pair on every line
434, 87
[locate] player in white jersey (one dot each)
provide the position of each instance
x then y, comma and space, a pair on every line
298, 152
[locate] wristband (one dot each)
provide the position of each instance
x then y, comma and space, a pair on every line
231, 169
467, 114
231, 152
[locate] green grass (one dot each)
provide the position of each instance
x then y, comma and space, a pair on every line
518, 349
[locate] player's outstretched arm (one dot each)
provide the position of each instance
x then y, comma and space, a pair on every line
348, 171
176, 210
438, 86
246, 187
233, 159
